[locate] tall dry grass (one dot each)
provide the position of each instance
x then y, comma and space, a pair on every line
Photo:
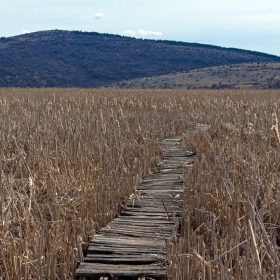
231, 215
69, 159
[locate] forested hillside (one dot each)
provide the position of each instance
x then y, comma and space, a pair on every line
88, 59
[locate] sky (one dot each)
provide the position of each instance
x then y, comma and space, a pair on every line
246, 24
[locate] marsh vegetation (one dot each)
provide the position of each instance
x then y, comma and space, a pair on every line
70, 157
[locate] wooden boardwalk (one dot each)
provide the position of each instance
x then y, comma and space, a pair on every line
132, 246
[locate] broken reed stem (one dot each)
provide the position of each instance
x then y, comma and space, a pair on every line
229, 251
256, 255
275, 128
167, 215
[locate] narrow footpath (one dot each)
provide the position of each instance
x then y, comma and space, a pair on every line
132, 246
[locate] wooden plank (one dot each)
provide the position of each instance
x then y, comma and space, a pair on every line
162, 236
143, 219
117, 242
179, 155
137, 216
129, 259
140, 237
141, 228
123, 241
157, 188
116, 247
149, 210
119, 250
143, 222
163, 191
111, 270
171, 204
147, 215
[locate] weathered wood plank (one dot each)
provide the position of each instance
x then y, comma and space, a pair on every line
125, 220
140, 237
124, 241
154, 235
112, 250
146, 215
143, 218
140, 228
111, 270
131, 259
148, 210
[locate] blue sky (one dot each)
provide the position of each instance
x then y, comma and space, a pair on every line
247, 24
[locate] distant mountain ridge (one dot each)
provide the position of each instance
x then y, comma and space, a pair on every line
58, 58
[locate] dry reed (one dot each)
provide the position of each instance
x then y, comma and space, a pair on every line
230, 219
70, 157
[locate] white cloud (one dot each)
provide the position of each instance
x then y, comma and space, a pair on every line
24, 31
143, 32
98, 16
129, 33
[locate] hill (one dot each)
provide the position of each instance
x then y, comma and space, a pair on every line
244, 75
59, 58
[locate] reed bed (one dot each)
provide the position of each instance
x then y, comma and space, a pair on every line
69, 159
231, 215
